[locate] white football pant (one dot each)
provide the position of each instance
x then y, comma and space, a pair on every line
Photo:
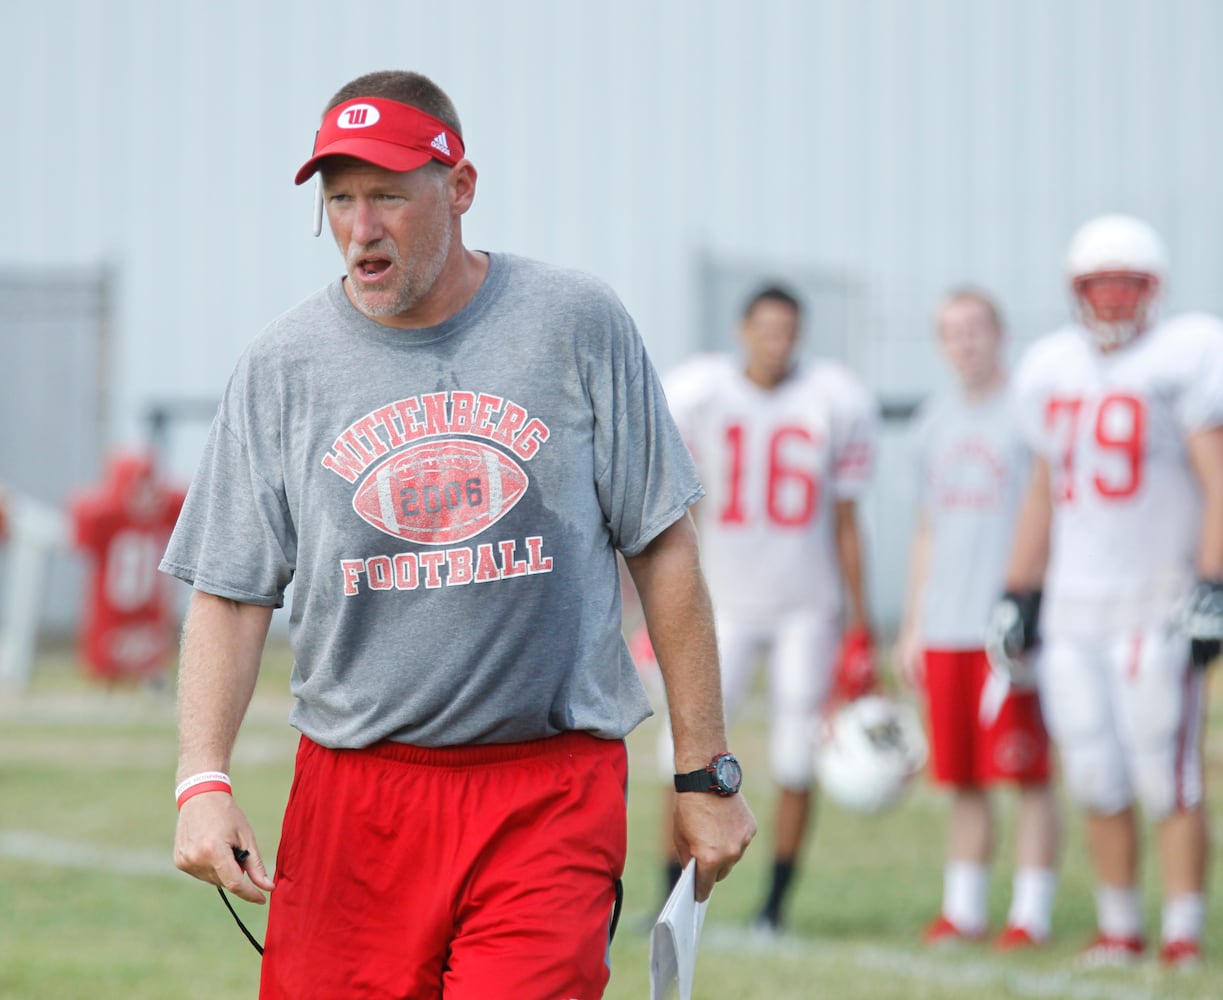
1126, 713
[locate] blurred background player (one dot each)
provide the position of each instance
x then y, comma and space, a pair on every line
972, 469
784, 450
1124, 512
123, 524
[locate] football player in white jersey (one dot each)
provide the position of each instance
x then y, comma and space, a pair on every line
1123, 530
785, 451
972, 470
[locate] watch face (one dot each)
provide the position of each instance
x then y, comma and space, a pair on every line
728, 773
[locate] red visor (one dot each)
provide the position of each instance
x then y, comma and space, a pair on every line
385, 133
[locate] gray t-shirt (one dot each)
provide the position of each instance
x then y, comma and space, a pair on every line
448, 502
972, 467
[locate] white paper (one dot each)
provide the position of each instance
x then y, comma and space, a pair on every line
674, 939
993, 696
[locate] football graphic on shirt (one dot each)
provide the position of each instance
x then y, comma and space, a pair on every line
440, 492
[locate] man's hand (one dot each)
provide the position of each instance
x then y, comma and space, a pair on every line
715, 830
210, 826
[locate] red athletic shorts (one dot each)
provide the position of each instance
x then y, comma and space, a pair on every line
966, 751
473, 873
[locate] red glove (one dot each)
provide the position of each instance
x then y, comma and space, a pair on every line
855, 675
642, 649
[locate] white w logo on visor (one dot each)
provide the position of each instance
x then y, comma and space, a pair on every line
358, 116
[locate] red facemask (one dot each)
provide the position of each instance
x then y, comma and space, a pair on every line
1115, 305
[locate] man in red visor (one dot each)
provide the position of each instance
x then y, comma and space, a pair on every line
444, 450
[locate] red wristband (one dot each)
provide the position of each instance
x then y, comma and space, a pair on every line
205, 786
206, 781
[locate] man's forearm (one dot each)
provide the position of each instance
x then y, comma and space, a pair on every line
679, 614
1030, 551
849, 556
919, 560
1206, 456
222, 648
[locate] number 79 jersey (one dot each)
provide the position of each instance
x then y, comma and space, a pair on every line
773, 464
1114, 430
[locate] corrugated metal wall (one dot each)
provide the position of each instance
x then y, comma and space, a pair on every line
901, 145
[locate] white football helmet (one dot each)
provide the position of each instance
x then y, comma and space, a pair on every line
867, 753
1128, 251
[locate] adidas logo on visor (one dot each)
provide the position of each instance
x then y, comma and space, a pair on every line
439, 143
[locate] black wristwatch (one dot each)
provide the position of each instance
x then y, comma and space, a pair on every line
723, 775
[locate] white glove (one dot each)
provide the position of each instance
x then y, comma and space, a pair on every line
1010, 635
1203, 614
1202, 621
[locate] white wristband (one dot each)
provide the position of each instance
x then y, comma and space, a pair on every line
199, 779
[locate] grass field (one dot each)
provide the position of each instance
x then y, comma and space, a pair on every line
92, 908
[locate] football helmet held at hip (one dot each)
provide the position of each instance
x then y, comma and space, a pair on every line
868, 751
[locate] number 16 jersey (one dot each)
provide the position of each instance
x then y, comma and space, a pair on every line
1113, 428
773, 463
